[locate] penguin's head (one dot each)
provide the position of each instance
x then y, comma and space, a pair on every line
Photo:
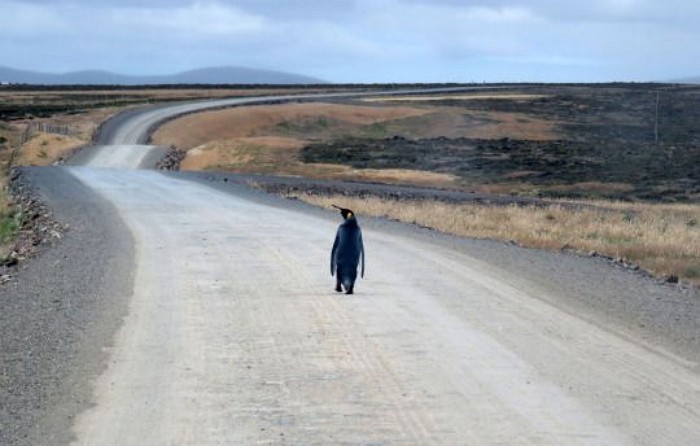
346, 213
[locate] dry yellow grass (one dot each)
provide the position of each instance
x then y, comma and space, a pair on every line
251, 154
279, 156
308, 120
44, 148
663, 239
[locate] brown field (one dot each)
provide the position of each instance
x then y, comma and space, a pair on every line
311, 121
267, 139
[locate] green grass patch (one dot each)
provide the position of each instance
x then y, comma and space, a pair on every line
692, 272
286, 126
322, 122
304, 126
10, 223
376, 130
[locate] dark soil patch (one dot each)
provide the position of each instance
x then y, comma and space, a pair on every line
610, 136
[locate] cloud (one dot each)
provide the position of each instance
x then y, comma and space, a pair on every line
621, 11
27, 19
361, 40
196, 19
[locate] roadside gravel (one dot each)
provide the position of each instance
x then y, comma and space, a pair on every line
59, 313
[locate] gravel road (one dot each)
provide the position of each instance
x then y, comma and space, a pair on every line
235, 336
232, 333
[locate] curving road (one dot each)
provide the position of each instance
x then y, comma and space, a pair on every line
233, 333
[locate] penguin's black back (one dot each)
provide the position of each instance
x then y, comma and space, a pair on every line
349, 246
346, 253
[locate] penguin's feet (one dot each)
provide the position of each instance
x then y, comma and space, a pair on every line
338, 289
349, 290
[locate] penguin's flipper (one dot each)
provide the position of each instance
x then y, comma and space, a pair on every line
335, 248
362, 254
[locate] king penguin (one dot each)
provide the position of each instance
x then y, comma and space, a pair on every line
346, 252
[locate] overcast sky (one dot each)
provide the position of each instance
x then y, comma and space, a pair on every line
361, 40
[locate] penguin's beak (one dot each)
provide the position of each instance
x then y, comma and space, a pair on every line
346, 213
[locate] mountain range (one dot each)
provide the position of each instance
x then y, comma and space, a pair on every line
688, 80
213, 75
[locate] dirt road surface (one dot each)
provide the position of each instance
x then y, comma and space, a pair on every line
234, 335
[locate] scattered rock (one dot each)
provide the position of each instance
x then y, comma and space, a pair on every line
671, 278
38, 228
172, 159
11, 260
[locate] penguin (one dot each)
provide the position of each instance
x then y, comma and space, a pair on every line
346, 252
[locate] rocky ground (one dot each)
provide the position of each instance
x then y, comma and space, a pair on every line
172, 159
39, 228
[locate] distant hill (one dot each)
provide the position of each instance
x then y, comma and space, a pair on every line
216, 75
687, 80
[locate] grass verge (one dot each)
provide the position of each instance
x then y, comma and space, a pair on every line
10, 223
661, 238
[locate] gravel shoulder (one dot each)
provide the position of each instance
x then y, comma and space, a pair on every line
59, 313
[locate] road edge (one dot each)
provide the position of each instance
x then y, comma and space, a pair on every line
58, 320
